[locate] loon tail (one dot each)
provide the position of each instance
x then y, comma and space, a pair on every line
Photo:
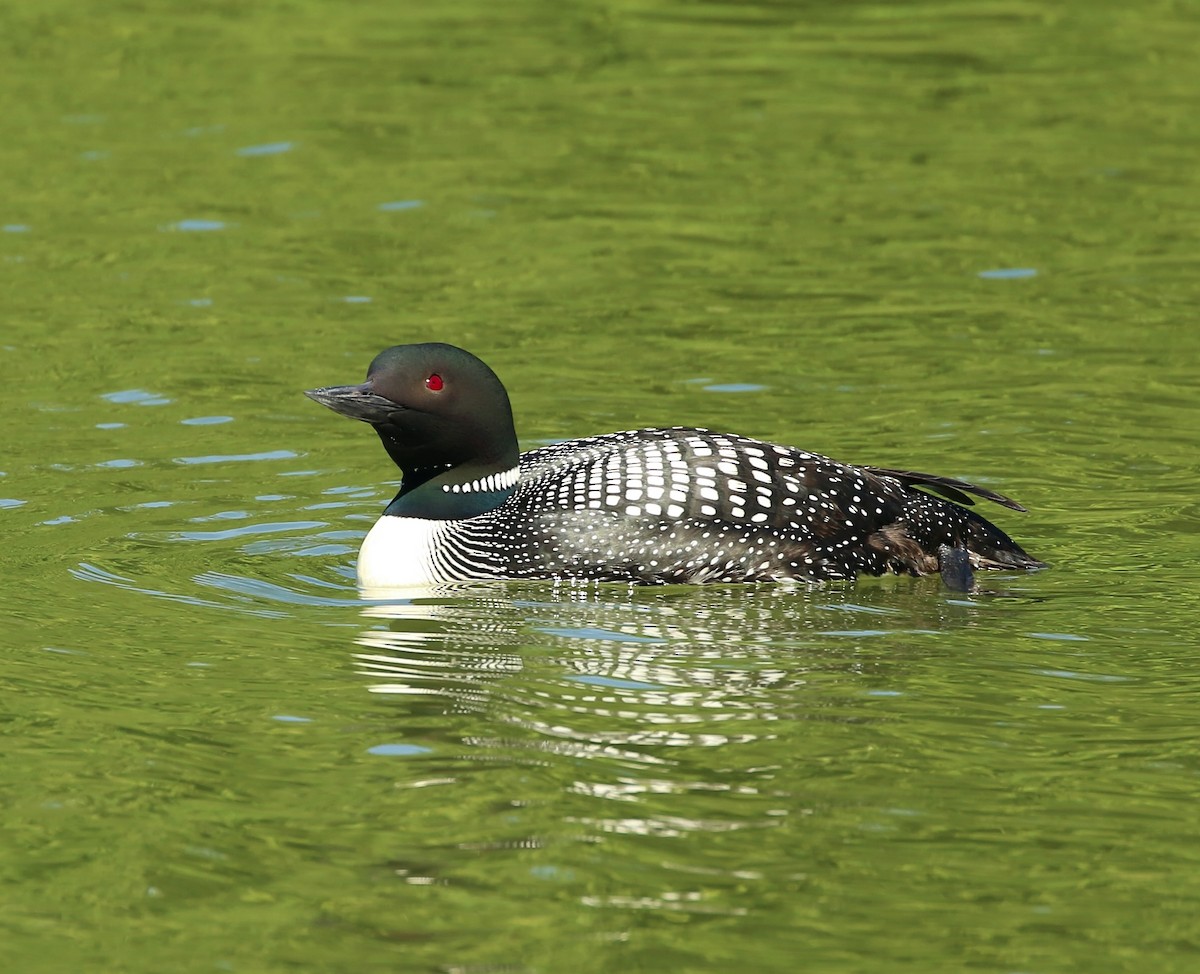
930, 527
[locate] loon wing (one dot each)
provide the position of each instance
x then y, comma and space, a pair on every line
948, 487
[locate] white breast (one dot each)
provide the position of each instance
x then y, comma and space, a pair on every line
398, 552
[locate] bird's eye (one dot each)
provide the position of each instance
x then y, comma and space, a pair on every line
434, 383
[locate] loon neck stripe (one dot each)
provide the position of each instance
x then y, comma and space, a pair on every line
492, 483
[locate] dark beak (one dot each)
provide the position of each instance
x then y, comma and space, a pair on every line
357, 402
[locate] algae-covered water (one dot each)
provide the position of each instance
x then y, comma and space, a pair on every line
950, 237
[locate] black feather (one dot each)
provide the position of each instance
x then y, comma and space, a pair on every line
948, 487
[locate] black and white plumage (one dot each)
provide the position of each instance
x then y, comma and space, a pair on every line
652, 506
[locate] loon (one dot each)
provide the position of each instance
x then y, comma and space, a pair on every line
647, 506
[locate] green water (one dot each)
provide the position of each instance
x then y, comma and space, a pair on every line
216, 758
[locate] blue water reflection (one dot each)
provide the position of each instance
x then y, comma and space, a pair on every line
1008, 273
267, 149
197, 226
238, 457
206, 420
137, 397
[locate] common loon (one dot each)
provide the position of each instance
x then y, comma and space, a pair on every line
652, 506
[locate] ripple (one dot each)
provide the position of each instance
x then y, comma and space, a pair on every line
1008, 273
238, 457
256, 588
222, 516
873, 610
15, 228
8, 502
614, 683
735, 387
1089, 677
197, 226
398, 750
306, 547
267, 149
248, 530
397, 205
604, 635
206, 420
120, 464
87, 572
136, 397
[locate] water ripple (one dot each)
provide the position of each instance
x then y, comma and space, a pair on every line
206, 420
239, 457
137, 397
267, 149
248, 530
1008, 273
196, 226
93, 573
258, 588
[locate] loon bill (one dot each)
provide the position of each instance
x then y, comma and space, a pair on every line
651, 506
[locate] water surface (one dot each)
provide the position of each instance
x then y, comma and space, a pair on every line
956, 238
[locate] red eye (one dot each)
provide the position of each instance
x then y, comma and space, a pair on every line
434, 382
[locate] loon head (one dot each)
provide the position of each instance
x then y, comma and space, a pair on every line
442, 414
